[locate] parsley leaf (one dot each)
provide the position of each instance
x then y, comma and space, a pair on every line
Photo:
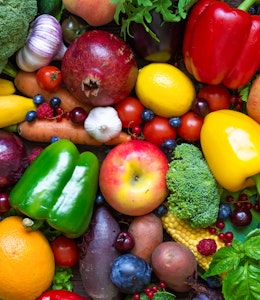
139, 11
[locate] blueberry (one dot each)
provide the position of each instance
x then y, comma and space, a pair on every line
175, 122
213, 282
38, 99
168, 146
55, 102
54, 139
224, 211
130, 273
161, 210
31, 116
147, 115
99, 200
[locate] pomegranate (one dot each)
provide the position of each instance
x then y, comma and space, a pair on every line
99, 68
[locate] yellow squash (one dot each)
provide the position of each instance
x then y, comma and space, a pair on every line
230, 142
14, 108
6, 87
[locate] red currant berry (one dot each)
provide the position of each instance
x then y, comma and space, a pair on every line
220, 224
137, 130
212, 230
162, 285
256, 207
229, 236
238, 204
154, 288
248, 205
228, 243
150, 295
243, 197
58, 111
4, 203
136, 297
221, 236
229, 198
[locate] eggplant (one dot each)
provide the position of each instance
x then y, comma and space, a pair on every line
97, 253
170, 35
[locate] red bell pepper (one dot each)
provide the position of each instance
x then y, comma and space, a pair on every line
60, 295
222, 43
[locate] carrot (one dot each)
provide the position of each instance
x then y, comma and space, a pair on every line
42, 130
26, 83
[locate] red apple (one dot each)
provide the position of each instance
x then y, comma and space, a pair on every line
133, 177
94, 12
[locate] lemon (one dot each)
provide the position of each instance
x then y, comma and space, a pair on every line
165, 89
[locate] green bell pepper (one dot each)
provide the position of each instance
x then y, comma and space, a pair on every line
59, 187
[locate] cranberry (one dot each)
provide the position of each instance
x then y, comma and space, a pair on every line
124, 241
241, 217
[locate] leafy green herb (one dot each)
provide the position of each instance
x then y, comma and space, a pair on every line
240, 262
62, 279
139, 11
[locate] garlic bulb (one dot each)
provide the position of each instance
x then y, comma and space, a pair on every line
103, 123
44, 44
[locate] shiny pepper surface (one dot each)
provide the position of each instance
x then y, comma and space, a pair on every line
59, 187
222, 43
230, 142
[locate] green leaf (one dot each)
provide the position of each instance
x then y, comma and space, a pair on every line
224, 260
252, 248
242, 283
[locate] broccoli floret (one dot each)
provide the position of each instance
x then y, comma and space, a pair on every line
194, 194
15, 18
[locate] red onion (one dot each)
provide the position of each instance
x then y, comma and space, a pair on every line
99, 68
13, 159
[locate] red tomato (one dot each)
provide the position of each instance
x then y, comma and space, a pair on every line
218, 96
190, 127
49, 78
158, 130
65, 251
129, 111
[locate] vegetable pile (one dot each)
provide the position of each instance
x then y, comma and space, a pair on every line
129, 143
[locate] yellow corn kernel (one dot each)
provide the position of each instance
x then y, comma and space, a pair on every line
6, 87
181, 232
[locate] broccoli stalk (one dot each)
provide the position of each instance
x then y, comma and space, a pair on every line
15, 19
194, 194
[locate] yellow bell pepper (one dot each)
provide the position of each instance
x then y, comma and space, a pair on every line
230, 141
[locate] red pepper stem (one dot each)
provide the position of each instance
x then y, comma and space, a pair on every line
246, 4
256, 179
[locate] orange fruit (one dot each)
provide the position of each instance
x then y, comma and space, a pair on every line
26, 261
165, 89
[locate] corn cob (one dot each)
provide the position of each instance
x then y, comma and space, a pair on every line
181, 232
6, 87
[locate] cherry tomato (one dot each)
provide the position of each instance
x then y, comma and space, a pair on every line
129, 111
217, 96
49, 78
158, 130
65, 251
190, 127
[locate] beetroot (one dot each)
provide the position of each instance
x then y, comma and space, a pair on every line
13, 159
99, 68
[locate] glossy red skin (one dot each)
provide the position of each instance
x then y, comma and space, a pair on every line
129, 111
190, 127
60, 295
158, 130
65, 251
217, 96
216, 41
103, 61
49, 78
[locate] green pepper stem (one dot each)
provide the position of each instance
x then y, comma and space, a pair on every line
10, 70
246, 4
256, 179
31, 225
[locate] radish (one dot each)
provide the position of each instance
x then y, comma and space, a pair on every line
99, 68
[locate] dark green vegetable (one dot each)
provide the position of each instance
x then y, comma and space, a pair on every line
139, 11
59, 187
240, 262
51, 7
15, 18
194, 194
